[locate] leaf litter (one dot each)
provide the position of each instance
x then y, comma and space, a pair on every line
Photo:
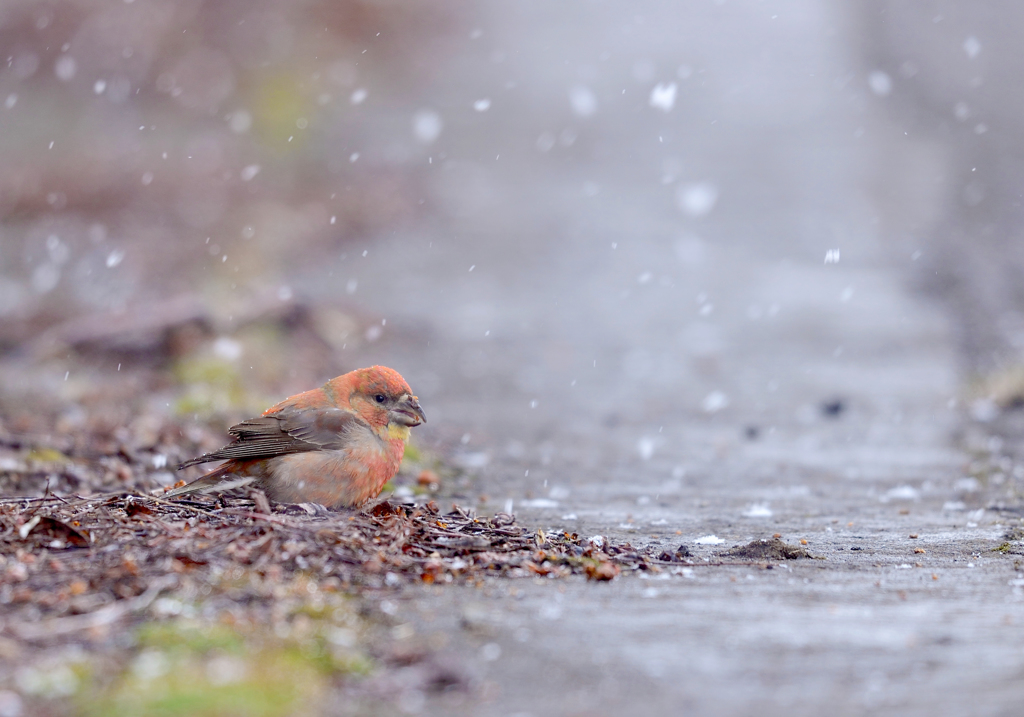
119, 545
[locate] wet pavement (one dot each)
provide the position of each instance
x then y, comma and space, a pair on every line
613, 358
815, 401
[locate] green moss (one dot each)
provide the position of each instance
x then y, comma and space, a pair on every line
185, 669
268, 684
181, 635
316, 610
213, 371
316, 653
1004, 548
276, 104
211, 385
194, 405
47, 455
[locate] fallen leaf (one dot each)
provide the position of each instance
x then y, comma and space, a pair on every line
51, 529
134, 508
603, 570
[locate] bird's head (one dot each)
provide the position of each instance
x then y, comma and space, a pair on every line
381, 396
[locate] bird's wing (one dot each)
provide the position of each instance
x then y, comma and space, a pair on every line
284, 432
325, 429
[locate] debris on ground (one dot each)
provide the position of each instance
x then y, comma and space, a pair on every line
768, 549
66, 558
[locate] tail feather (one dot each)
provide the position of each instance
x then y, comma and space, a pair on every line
222, 479
192, 462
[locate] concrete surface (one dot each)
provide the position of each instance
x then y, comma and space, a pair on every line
622, 367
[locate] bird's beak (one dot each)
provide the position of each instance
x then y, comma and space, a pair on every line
407, 412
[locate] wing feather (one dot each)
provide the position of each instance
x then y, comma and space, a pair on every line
285, 432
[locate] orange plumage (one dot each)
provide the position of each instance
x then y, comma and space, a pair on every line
336, 445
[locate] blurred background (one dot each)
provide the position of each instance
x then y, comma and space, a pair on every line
692, 273
593, 237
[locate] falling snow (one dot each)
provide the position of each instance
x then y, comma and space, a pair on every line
663, 96
65, 68
114, 258
427, 126
645, 447
972, 46
714, 402
880, 83
697, 199
583, 101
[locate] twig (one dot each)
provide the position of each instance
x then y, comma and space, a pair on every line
104, 616
178, 504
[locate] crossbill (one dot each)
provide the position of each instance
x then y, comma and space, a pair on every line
336, 445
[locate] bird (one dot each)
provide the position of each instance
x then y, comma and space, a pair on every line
336, 445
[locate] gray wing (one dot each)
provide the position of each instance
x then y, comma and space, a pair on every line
289, 431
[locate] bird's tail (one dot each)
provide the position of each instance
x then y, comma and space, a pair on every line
222, 479
192, 462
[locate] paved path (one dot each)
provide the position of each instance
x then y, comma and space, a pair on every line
623, 366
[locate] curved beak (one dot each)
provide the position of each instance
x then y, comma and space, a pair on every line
407, 412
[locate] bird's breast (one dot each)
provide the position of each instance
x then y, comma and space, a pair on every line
335, 478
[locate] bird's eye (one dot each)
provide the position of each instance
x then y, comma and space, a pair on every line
380, 398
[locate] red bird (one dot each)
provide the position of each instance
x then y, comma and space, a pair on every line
336, 445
